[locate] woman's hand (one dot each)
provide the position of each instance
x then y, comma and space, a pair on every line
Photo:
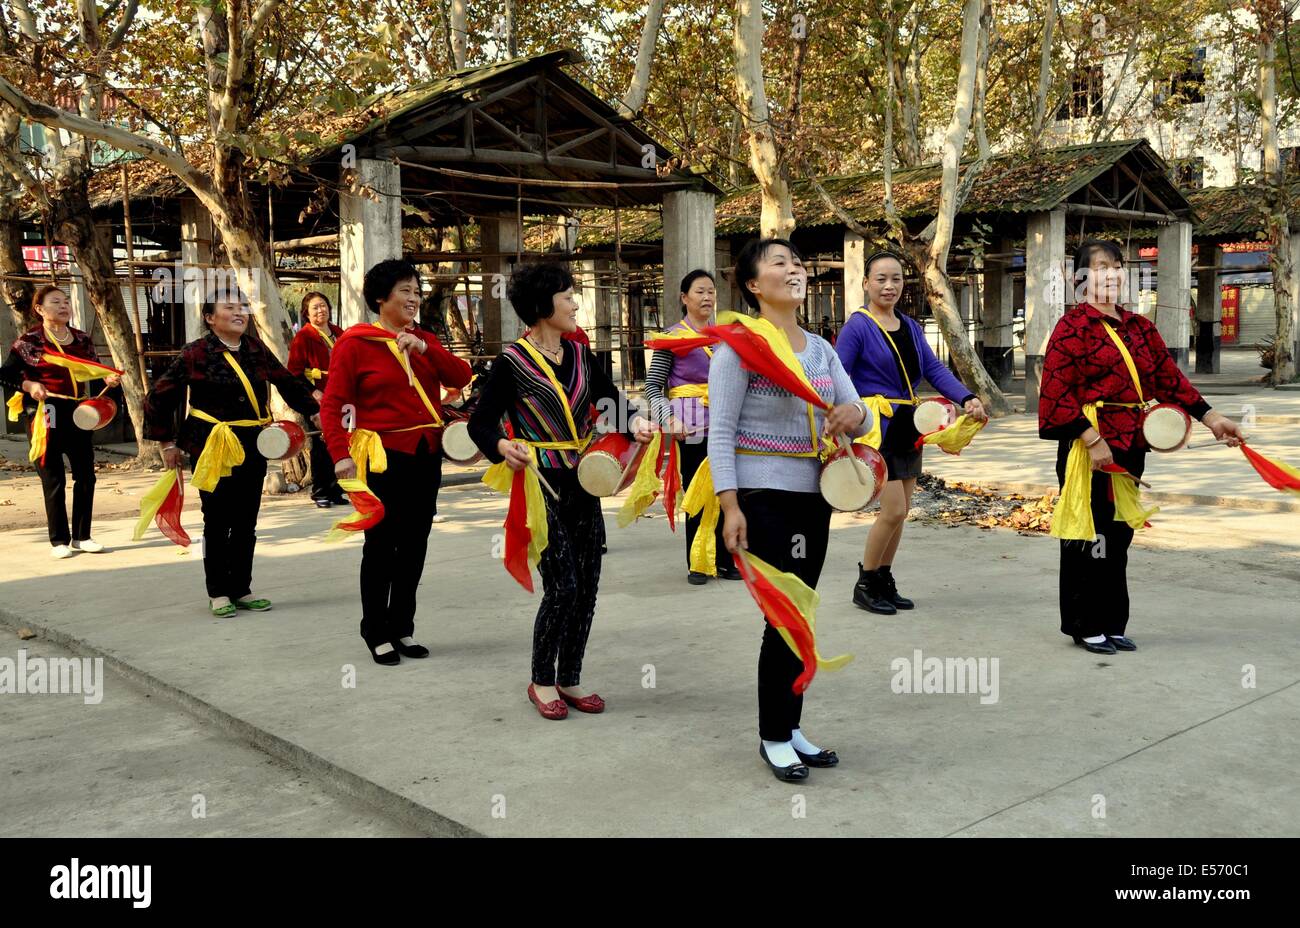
35, 390
315, 420
345, 469
844, 418
642, 430
515, 454
675, 426
317, 395
112, 380
1100, 454
735, 530
975, 409
171, 456
1224, 429
409, 341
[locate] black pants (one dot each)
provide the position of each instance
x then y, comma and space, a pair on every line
789, 531
392, 559
1094, 574
570, 569
693, 454
230, 523
66, 438
324, 485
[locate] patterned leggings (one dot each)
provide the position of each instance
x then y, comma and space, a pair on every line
570, 569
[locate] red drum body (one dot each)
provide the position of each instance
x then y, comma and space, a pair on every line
934, 415
609, 464
1166, 427
95, 413
280, 440
854, 479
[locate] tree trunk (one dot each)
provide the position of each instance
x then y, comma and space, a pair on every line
640, 83
15, 295
1278, 224
74, 226
459, 37
1044, 71
777, 211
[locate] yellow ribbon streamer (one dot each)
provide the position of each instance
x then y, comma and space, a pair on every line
957, 436
15, 405
1072, 517
645, 487
805, 599
314, 374
222, 452
501, 478
152, 501
700, 498
881, 407
40, 434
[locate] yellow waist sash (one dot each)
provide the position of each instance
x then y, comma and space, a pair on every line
315, 374
697, 391
1072, 518
222, 452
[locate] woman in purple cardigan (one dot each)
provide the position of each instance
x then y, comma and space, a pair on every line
886, 355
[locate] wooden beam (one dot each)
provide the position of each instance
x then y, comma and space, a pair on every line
580, 140
1145, 189
522, 142
426, 128
432, 153
1106, 212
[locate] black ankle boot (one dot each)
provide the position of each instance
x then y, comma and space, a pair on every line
890, 589
868, 593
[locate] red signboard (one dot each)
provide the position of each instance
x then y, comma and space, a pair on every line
1231, 306
38, 258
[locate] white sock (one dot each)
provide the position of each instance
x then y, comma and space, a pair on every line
1096, 639
781, 753
220, 602
408, 641
385, 648
802, 744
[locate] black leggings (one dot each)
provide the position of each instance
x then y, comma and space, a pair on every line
1094, 574
789, 531
66, 438
230, 523
392, 558
570, 569
693, 454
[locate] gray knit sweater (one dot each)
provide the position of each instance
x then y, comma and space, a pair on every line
749, 412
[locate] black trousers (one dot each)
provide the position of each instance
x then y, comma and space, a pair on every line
692, 455
1094, 574
790, 531
324, 485
230, 523
392, 559
570, 569
66, 438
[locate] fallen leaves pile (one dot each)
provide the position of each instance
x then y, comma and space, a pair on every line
936, 500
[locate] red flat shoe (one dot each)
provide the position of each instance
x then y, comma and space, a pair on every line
554, 710
592, 703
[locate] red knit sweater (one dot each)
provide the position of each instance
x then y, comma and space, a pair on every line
368, 389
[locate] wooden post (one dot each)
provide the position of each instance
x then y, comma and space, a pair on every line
130, 277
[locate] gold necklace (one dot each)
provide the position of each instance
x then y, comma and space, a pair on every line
557, 356
59, 341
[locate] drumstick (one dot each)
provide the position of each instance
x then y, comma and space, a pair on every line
1123, 473
847, 448
532, 465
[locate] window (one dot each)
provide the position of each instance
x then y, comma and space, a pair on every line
1289, 156
1085, 94
1185, 86
1188, 173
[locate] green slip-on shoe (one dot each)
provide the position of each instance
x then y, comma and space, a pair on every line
253, 605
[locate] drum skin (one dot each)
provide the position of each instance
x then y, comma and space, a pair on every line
604, 461
457, 446
1166, 427
281, 440
934, 415
845, 490
95, 413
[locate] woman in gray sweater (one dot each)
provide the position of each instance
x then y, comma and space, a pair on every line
766, 463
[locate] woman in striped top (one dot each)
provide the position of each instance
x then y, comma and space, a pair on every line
522, 386
765, 471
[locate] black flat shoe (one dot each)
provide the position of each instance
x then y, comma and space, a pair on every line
791, 774
695, 578
1121, 643
388, 660
411, 650
729, 573
1102, 647
820, 759
323, 503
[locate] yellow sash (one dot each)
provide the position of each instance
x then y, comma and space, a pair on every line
502, 479
404, 363
367, 452
329, 341
881, 405
698, 391
315, 374
223, 452
701, 499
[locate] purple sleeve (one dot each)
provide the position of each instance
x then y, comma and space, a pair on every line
937, 373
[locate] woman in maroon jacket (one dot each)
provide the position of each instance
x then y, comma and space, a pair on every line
382, 399
45, 384
1084, 370
309, 357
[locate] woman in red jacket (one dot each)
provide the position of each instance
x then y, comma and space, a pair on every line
380, 416
309, 356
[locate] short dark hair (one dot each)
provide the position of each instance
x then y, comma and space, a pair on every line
383, 277
533, 286
1087, 248
747, 264
881, 256
308, 297
694, 276
224, 293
